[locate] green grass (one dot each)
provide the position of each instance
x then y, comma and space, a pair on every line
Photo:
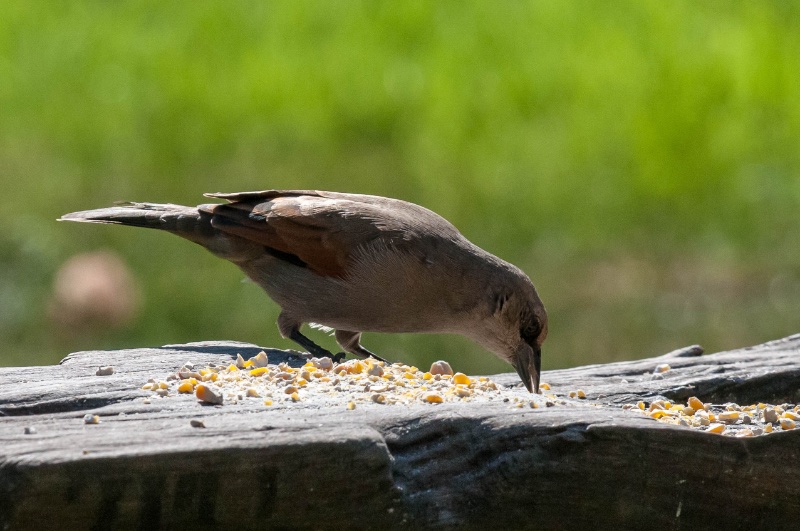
638, 159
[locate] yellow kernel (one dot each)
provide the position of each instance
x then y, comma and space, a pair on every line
206, 394
302, 381
214, 377
232, 368
573, 394
325, 379
667, 405
427, 376
408, 375
248, 364
695, 403
544, 386
259, 371
461, 378
147, 387
640, 405
295, 397
185, 387
433, 398
791, 415
351, 405
716, 428
659, 413
728, 416
787, 424
267, 402
581, 393
357, 367
768, 428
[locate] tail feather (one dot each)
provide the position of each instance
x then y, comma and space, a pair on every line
187, 222
191, 223
173, 218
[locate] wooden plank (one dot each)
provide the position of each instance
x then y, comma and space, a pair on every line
467, 465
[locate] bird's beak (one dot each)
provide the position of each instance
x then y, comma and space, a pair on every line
528, 363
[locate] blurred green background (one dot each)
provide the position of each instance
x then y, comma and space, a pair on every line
640, 160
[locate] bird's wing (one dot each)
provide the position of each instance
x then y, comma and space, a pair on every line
321, 230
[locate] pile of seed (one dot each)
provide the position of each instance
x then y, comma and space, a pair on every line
328, 383
725, 419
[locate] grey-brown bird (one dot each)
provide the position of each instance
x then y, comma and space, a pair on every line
360, 263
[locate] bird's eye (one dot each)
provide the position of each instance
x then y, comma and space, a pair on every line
530, 332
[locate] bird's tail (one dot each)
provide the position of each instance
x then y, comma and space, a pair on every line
191, 223
178, 219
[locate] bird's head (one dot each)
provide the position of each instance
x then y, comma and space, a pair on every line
518, 328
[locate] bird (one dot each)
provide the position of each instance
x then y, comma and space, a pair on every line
359, 263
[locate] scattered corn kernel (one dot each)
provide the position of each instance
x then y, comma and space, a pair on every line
695, 403
186, 387
295, 397
208, 394
728, 416
433, 398
716, 428
268, 402
581, 393
787, 424
664, 367
461, 378
351, 405
544, 386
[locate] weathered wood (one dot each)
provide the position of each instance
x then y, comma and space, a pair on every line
460, 465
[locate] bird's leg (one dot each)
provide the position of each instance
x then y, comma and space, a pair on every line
351, 342
290, 329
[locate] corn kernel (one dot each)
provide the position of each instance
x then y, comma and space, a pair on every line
461, 378
791, 415
302, 381
433, 398
267, 402
185, 387
544, 386
427, 376
351, 405
259, 371
728, 416
208, 395
233, 367
695, 403
295, 397
787, 424
716, 428
640, 405
768, 428
581, 393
